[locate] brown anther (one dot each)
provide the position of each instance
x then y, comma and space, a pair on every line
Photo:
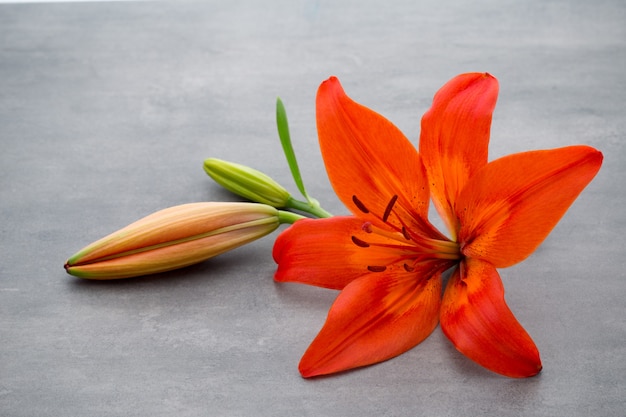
389, 208
359, 205
408, 268
360, 242
376, 268
405, 233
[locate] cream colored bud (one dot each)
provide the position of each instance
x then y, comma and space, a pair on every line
173, 238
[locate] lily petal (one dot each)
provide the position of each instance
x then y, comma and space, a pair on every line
375, 318
455, 136
330, 252
475, 317
369, 161
509, 207
319, 252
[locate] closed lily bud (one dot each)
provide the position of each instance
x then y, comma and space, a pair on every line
247, 182
173, 238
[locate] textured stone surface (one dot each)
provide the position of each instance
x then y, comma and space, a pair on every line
107, 111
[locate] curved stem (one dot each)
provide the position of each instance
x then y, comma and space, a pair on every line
288, 217
317, 211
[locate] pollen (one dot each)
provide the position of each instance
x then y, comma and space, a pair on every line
359, 205
360, 242
376, 268
389, 207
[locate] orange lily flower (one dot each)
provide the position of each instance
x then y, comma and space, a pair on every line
387, 258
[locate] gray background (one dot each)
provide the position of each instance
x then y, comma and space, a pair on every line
107, 111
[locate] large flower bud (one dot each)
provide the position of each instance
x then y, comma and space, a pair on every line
173, 238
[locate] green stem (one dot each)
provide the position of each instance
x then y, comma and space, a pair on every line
288, 217
317, 211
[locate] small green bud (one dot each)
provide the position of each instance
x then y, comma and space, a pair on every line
247, 182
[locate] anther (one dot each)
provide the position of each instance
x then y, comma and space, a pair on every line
376, 268
359, 205
389, 208
405, 233
408, 268
359, 242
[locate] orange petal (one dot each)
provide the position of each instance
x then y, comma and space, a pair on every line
475, 317
375, 318
455, 137
509, 207
321, 252
369, 161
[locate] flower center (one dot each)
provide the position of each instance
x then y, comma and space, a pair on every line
398, 245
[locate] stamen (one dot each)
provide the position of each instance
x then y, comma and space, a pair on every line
406, 246
403, 242
359, 242
389, 208
376, 268
398, 237
359, 205
405, 233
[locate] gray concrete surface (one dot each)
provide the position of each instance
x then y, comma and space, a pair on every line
107, 111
